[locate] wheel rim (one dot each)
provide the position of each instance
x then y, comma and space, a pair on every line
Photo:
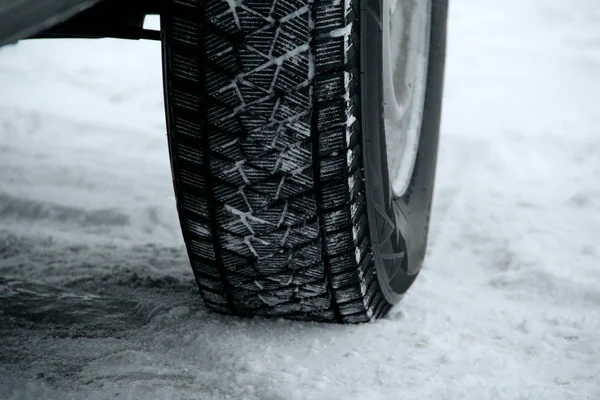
406, 30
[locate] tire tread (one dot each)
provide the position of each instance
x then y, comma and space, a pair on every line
265, 143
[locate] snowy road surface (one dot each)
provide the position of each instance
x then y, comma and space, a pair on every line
97, 299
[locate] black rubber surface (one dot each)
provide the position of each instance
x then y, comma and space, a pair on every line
282, 204
399, 226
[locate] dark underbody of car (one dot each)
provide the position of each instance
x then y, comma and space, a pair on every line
23, 19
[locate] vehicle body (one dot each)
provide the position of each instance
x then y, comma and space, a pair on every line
23, 19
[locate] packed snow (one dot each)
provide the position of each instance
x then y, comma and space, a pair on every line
97, 300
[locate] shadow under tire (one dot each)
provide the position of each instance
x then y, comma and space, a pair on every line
277, 145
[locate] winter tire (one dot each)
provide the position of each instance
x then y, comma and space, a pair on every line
283, 117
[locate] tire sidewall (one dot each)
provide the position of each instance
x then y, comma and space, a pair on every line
399, 225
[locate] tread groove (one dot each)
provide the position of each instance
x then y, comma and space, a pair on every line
318, 184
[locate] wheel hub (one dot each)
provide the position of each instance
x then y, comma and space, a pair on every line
406, 30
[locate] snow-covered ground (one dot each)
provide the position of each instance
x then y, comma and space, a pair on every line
97, 299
